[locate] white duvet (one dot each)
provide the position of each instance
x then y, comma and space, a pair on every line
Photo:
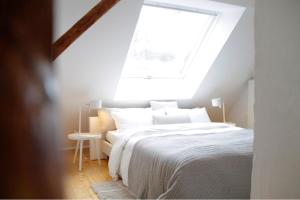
122, 150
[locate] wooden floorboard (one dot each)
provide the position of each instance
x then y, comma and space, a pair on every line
77, 184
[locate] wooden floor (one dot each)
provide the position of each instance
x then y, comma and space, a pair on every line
77, 184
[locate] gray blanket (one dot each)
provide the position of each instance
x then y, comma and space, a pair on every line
215, 166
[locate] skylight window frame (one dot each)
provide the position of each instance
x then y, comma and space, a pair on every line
194, 53
141, 90
180, 7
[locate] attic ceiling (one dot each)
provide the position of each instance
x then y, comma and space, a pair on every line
84, 23
92, 66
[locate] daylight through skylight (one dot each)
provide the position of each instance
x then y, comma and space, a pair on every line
165, 42
173, 48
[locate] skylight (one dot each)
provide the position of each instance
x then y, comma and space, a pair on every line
165, 42
173, 47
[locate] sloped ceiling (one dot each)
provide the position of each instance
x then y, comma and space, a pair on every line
91, 67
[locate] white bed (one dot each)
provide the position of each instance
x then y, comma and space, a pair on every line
128, 150
141, 117
199, 160
111, 137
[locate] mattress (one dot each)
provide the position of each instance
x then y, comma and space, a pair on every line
113, 136
106, 147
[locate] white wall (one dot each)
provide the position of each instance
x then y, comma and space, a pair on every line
229, 75
238, 113
276, 167
251, 103
242, 110
91, 67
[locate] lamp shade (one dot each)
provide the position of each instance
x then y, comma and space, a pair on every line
217, 102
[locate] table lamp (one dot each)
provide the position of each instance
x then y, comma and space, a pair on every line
218, 102
93, 105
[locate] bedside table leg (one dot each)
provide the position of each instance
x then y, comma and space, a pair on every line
76, 151
98, 151
80, 155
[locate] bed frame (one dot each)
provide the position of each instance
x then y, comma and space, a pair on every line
105, 147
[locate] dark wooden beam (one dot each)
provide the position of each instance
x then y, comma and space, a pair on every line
81, 26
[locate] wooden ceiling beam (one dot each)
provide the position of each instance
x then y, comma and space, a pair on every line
81, 26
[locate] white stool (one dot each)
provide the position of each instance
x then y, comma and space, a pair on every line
80, 138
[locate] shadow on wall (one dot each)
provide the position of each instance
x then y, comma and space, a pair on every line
240, 112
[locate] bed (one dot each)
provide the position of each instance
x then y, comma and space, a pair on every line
109, 140
182, 160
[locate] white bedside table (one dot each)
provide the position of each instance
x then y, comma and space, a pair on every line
80, 138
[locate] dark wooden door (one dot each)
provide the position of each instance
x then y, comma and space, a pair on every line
31, 164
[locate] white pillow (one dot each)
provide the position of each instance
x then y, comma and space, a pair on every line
195, 114
157, 105
179, 118
127, 118
175, 111
199, 115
